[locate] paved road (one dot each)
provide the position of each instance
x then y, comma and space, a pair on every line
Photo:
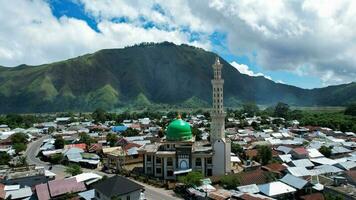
151, 193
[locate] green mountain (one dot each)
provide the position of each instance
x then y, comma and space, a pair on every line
145, 74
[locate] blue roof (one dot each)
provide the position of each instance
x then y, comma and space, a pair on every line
119, 128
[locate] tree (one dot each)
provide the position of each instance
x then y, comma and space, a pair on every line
130, 132
19, 147
281, 110
59, 142
56, 158
111, 138
326, 151
73, 169
197, 133
19, 138
264, 154
236, 148
250, 108
230, 181
351, 109
85, 138
191, 179
99, 115
22, 162
4, 158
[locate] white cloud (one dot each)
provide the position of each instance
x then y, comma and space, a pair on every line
313, 37
35, 36
244, 69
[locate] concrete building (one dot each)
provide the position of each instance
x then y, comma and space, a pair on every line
179, 153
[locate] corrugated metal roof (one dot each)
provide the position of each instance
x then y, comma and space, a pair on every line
19, 194
42, 192
302, 163
59, 187
276, 188
294, 181
314, 153
299, 171
325, 169
284, 149
346, 165
323, 161
253, 188
286, 158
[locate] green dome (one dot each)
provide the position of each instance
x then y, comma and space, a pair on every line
179, 130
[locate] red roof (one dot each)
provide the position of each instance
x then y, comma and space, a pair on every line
253, 177
247, 196
2, 191
130, 145
42, 192
300, 151
60, 187
79, 146
351, 174
275, 167
315, 196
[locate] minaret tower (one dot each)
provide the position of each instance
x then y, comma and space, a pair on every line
221, 145
217, 115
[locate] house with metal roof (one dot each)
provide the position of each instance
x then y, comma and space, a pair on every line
117, 187
277, 189
294, 181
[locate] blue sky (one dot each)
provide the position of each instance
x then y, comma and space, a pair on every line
286, 42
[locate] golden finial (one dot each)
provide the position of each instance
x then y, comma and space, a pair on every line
179, 116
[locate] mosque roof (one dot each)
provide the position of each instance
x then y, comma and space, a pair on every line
179, 130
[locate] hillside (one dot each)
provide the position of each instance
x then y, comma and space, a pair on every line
145, 74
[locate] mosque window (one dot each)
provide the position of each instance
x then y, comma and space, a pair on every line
209, 160
209, 172
169, 162
198, 162
158, 160
158, 170
149, 158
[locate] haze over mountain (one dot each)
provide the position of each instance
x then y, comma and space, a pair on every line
144, 74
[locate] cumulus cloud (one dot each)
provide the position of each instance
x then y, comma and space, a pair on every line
313, 37
308, 37
244, 69
35, 36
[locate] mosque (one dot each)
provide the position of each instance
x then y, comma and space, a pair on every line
179, 153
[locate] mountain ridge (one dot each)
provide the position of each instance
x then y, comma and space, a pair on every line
162, 73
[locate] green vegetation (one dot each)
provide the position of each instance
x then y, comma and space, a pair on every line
251, 109
236, 148
154, 75
20, 121
4, 158
111, 138
85, 138
264, 154
19, 147
56, 158
351, 109
230, 181
326, 151
281, 110
22, 162
191, 179
19, 142
130, 132
73, 169
59, 142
